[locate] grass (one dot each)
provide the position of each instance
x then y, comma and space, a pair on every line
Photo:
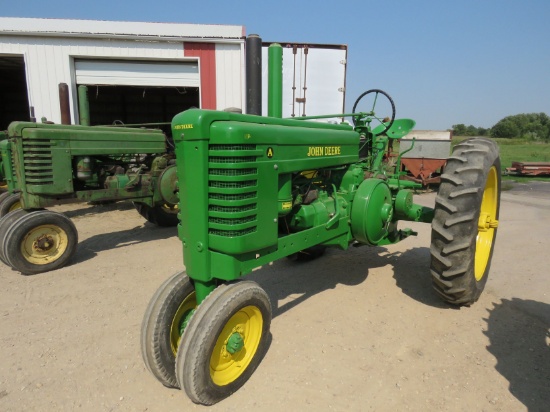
519, 150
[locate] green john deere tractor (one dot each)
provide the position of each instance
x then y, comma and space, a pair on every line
51, 164
256, 189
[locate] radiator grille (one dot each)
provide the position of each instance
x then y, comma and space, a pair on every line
232, 172
232, 209
13, 173
233, 159
232, 147
232, 221
232, 187
232, 233
37, 159
230, 197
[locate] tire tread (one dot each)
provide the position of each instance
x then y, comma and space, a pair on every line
454, 227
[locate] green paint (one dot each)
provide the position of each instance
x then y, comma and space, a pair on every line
203, 289
49, 162
185, 320
372, 212
275, 81
253, 190
235, 343
83, 106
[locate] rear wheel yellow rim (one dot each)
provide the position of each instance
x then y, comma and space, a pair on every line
170, 209
245, 326
487, 224
44, 244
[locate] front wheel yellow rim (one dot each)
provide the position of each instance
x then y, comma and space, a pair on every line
44, 244
15, 206
487, 224
236, 345
180, 321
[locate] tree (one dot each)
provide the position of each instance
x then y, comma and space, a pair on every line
459, 129
463, 130
505, 128
471, 131
534, 126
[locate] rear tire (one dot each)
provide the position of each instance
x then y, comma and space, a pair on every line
158, 215
465, 221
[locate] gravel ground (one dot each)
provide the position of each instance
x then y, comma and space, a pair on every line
356, 330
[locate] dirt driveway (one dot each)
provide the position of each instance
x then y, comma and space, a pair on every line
357, 330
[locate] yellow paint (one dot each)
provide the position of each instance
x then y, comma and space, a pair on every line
44, 244
15, 206
183, 126
316, 151
170, 209
487, 224
309, 174
225, 367
188, 304
287, 205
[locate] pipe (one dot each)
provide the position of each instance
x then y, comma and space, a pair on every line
254, 75
64, 103
275, 81
83, 106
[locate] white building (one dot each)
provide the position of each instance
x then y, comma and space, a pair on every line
143, 72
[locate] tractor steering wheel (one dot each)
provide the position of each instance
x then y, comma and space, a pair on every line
369, 116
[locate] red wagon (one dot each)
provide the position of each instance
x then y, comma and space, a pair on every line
424, 163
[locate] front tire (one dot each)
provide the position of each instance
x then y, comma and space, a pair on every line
465, 221
9, 203
5, 222
163, 324
224, 342
39, 241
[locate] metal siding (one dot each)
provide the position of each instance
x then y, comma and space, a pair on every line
229, 76
431, 144
49, 62
429, 149
45, 74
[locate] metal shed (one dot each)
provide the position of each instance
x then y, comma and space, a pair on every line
167, 66
139, 72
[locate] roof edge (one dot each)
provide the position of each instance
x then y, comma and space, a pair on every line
117, 29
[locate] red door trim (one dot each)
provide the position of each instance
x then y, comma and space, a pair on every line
206, 52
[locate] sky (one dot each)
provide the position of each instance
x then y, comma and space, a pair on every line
442, 62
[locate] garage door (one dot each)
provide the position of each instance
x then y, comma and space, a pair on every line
137, 73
